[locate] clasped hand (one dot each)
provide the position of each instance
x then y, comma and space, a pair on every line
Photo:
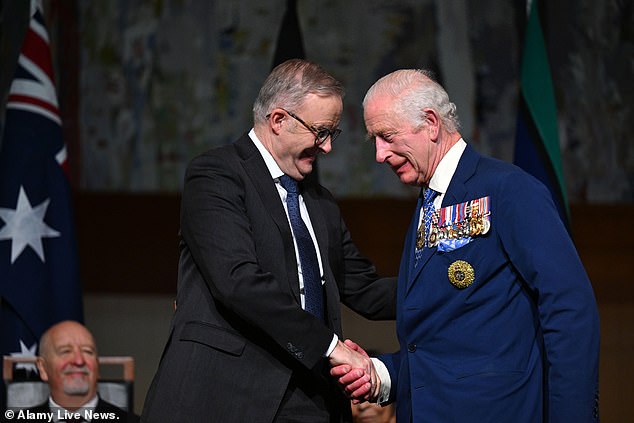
355, 372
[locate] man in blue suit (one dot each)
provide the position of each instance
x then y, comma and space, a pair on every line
496, 317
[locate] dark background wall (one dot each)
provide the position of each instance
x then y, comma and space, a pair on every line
145, 85
127, 213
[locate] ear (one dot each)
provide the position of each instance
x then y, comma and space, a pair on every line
42, 369
275, 121
433, 123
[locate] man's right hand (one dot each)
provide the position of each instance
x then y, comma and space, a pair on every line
355, 372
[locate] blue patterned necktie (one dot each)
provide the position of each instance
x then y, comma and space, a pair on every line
313, 294
428, 209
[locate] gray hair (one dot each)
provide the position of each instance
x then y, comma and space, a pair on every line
288, 85
413, 91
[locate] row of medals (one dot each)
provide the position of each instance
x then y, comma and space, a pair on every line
476, 224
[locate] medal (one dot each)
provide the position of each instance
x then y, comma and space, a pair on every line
420, 237
433, 237
486, 225
478, 225
461, 274
464, 220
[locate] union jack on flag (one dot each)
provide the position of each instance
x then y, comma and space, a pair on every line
39, 278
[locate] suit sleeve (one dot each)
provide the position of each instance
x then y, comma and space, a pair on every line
361, 289
218, 222
543, 254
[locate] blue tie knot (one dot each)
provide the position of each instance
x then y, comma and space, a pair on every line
429, 196
289, 184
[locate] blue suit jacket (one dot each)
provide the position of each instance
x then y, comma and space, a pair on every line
521, 343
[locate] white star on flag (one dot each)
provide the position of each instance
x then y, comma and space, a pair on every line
26, 352
25, 226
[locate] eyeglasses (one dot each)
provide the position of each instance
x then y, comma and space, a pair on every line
321, 134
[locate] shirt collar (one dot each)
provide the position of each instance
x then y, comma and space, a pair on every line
271, 165
441, 178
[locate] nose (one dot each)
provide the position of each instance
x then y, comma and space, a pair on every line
78, 358
326, 146
382, 151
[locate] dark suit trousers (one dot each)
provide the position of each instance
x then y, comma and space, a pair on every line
309, 398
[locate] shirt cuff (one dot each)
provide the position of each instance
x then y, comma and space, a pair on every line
332, 346
386, 381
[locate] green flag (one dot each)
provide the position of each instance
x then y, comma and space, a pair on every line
537, 140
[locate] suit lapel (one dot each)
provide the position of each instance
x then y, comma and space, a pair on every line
413, 227
258, 173
426, 255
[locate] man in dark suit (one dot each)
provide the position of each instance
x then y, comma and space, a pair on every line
496, 317
68, 363
257, 321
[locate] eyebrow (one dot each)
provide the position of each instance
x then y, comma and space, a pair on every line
59, 347
381, 133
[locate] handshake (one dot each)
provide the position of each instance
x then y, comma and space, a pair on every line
355, 372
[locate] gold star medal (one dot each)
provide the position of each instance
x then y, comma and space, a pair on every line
461, 274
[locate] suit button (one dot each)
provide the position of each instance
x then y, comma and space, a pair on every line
411, 348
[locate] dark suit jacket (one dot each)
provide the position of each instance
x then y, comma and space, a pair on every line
104, 412
239, 332
521, 343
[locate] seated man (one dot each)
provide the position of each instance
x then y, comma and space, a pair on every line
68, 363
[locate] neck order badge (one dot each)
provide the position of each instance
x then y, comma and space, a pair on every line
422, 235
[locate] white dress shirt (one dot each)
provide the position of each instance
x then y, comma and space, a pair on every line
276, 173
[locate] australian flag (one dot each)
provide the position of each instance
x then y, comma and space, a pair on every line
39, 278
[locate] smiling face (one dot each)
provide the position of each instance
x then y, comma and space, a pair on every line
294, 147
410, 152
68, 362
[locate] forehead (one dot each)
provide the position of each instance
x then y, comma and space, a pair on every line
321, 107
379, 114
71, 335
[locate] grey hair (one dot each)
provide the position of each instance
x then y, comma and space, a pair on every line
413, 91
288, 85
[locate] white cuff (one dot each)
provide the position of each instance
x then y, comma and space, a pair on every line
386, 381
332, 346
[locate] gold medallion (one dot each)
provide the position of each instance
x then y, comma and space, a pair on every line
461, 274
